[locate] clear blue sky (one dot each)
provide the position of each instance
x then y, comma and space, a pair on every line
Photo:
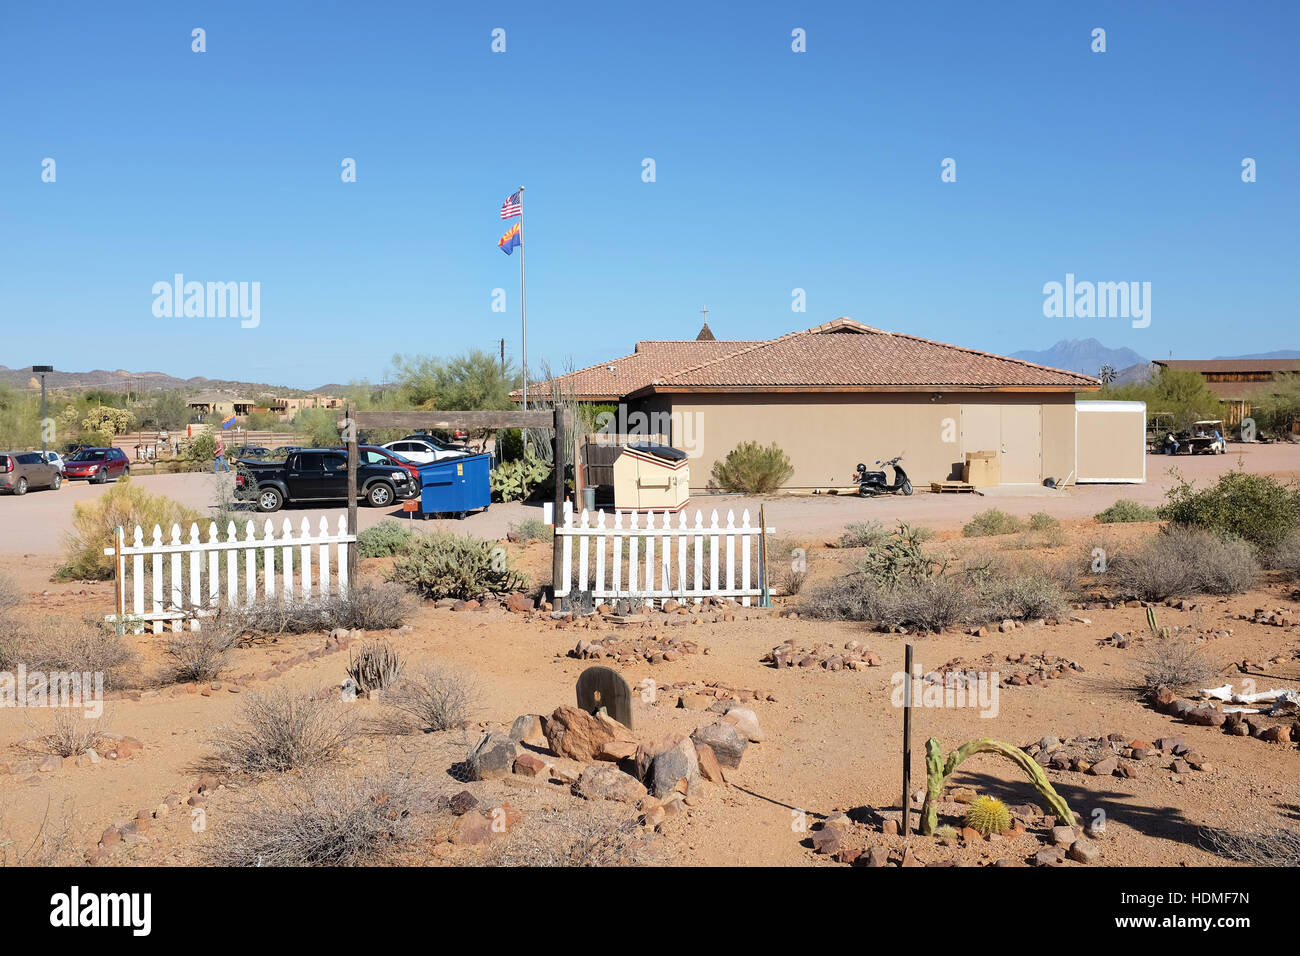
775, 170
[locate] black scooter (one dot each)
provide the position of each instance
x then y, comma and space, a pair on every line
872, 483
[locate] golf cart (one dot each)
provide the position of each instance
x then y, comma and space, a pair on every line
1159, 426
1205, 438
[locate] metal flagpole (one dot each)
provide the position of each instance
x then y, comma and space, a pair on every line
523, 296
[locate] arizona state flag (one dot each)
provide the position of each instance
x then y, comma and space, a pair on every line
512, 240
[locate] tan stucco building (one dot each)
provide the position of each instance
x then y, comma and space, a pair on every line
840, 393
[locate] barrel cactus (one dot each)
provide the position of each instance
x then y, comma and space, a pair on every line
987, 815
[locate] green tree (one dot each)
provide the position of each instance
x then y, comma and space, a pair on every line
1275, 411
164, 410
1181, 393
472, 381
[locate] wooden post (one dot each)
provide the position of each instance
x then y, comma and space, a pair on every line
350, 426
560, 443
907, 743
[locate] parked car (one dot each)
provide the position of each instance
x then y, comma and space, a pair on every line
425, 449
250, 451
55, 459
284, 451
21, 470
376, 455
321, 474
97, 465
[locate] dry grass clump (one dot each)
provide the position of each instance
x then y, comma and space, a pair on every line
322, 818
86, 646
1286, 557
125, 504
1178, 664
1180, 561
10, 595
571, 838
285, 731
71, 735
435, 698
1274, 847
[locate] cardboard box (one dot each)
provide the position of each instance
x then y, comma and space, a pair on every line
982, 469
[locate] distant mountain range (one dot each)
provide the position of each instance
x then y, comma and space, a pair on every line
121, 380
1086, 356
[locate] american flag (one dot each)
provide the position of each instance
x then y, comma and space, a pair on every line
512, 207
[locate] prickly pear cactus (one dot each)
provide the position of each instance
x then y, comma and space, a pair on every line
988, 815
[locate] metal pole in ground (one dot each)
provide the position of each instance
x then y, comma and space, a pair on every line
907, 742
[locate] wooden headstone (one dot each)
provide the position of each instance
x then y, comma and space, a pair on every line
599, 687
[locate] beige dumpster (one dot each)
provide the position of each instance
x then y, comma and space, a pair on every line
650, 477
1110, 442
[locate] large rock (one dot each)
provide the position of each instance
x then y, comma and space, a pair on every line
669, 765
527, 729
493, 757
727, 743
574, 733
746, 721
602, 781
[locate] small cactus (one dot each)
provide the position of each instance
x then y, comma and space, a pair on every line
988, 815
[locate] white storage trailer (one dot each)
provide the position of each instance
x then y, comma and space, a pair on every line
1110, 442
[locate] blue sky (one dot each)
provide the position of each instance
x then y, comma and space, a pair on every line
775, 170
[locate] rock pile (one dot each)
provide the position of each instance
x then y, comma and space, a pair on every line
655, 649
852, 656
1116, 755
1024, 669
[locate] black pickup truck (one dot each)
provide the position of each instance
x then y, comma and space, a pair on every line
321, 474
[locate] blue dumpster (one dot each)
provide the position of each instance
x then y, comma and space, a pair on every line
455, 486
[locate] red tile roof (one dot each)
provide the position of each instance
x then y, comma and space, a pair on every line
839, 355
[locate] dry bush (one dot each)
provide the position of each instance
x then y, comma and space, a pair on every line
84, 647
1181, 560
752, 469
571, 838
323, 818
1175, 663
285, 731
787, 563
49, 847
929, 603
1275, 847
374, 666
369, 607
1286, 557
1125, 510
10, 595
442, 565
71, 735
1019, 594
863, 534
436, 698
992, 522
199, 655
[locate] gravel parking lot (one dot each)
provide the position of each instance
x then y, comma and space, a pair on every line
37, 522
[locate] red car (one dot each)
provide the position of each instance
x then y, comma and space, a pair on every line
97, 465
374, 455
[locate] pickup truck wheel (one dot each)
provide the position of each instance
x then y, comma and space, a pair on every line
379, 495
269, 499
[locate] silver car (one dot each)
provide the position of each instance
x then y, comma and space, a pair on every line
21, 470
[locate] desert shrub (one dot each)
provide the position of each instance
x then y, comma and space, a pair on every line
10, 595
83, 646
531, 529
368, 607
752, 469
374, 666
450, 566
436, 698
863, 534
1024, 596
568, 838
1125, 510
1274, 847
1181, 560
1286, 557
1175, 663
323, 818
285, 731
198, 655
1255, 508
901, 555
93, 524
1042, 521
787, 563
71, 735
387, 538
1046, 538
929, 603
992, 522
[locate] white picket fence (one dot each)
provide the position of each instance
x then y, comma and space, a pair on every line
732, 556
174, 565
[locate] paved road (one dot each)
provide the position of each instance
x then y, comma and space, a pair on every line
37, 522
